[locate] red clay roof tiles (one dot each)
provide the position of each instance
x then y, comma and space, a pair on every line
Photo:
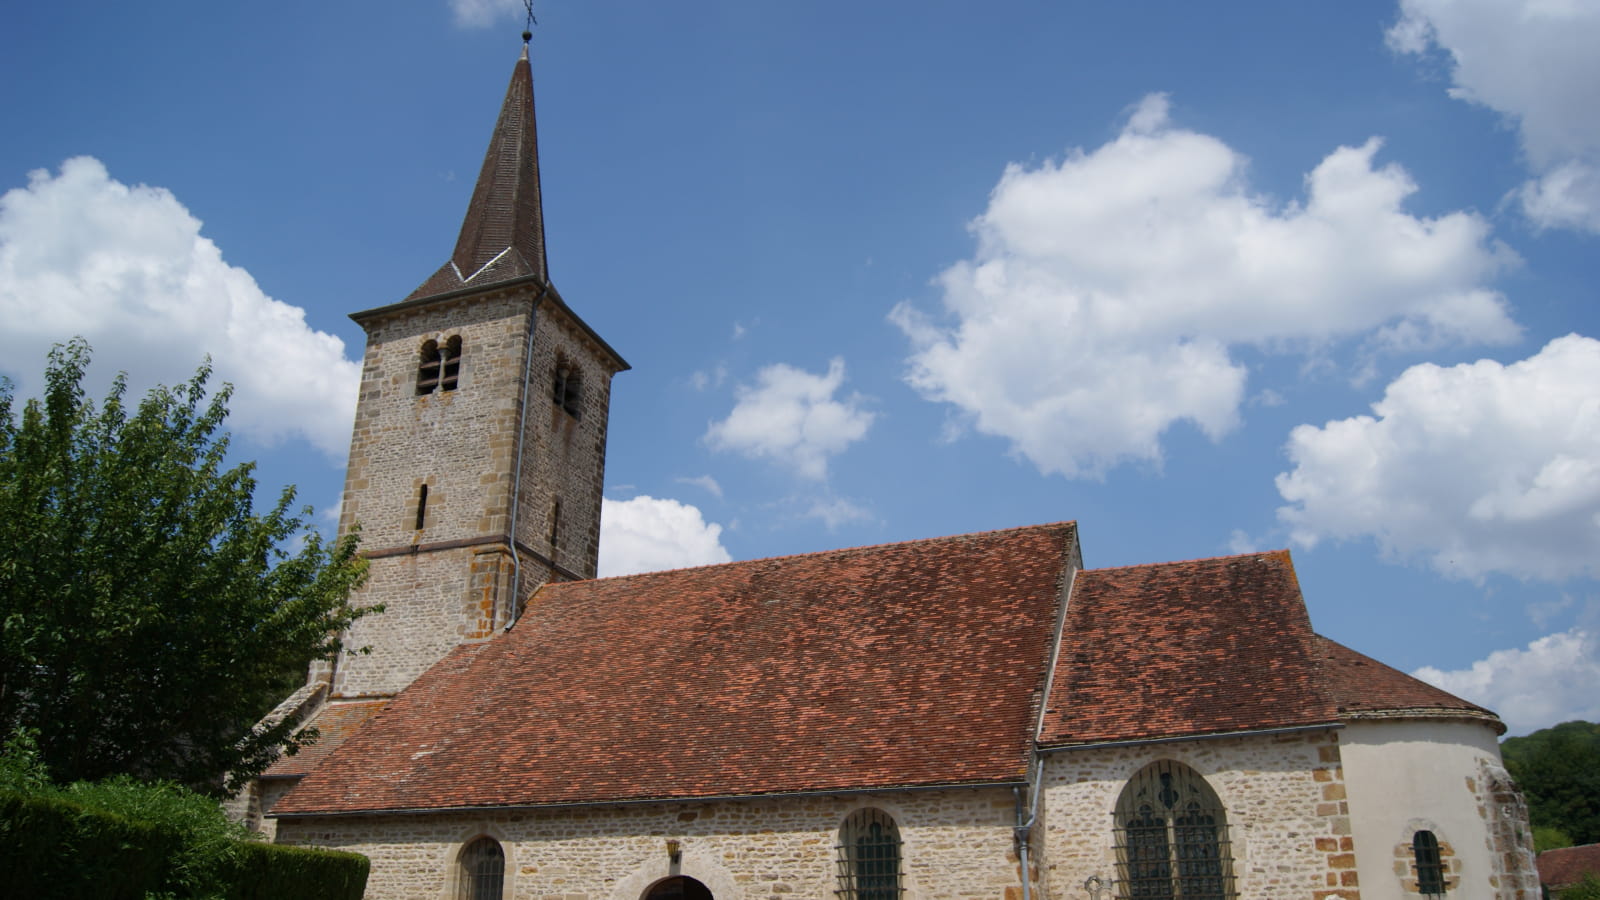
1360, 684
335, 723
898, 665
1185, 648
1567, 866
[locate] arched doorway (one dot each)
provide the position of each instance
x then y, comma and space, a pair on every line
678, 887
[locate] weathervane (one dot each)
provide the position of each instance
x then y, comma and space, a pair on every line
527, 28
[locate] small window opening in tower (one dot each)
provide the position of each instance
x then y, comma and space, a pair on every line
555, 526
567, 390
440, 367
422, 507
450, 364
428, 368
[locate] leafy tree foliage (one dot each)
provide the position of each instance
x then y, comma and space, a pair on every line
148, 615
1558, 770
1587, 889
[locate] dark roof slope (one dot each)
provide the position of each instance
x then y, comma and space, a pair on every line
1360, 685
1186, 648
502, 235
899, 665
1567, 866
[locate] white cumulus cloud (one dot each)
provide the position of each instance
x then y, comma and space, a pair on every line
127, 268
792, 417
483, 13
1108, 288
1533, 62
647, 534
1553, 680
1479, 467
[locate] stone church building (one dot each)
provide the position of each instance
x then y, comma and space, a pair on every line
975, 716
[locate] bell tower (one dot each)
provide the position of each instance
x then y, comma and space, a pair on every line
478, 455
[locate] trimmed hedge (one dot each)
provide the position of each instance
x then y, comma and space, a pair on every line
277, 872
51, 848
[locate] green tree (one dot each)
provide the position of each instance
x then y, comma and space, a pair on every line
148, 615
1558, 770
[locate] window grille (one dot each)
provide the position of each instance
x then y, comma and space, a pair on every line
1430, 866
869, 857
483, 869
1172, 837
440, 368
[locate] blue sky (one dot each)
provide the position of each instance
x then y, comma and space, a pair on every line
1206, 278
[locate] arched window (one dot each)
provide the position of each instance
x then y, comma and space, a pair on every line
1172, 837
482, 871
567, 388
869, 857
1430, 867
440, 368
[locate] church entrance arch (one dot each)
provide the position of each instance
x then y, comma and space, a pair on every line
678, 887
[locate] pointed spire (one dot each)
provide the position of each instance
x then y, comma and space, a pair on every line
502, 236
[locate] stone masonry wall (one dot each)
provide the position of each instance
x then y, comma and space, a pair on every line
1288, 819
565, 457
956, 844
449, 581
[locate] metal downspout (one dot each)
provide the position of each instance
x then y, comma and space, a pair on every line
515, 612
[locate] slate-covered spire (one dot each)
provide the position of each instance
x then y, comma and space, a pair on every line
502, 236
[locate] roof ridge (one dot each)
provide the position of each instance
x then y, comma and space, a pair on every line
1284, 552
838, 551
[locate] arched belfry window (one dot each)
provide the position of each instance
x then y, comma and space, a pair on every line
440, 368
869, 857
567, 388
1172, 837
482, 871
1430, 865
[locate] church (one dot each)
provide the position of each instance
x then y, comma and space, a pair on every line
972, 716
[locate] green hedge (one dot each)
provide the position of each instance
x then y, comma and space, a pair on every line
51, 847
277, 872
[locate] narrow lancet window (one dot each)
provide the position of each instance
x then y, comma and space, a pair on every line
1430, 865
422, 507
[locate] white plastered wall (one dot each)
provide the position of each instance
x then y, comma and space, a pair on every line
1404, 775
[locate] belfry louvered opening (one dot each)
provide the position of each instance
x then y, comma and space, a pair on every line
869, 857
1172, 837
440, 367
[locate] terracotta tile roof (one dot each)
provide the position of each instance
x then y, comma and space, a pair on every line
1561, 868
1186, 648
1360, 684
335, 723
899, 665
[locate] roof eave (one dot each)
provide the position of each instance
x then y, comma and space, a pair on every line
549, 293
1185, 738
639, 801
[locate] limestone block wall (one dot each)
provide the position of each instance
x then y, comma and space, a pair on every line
956, 844
565, 457
450, 579
1285, 796
432, 602
460, 443
1443, 776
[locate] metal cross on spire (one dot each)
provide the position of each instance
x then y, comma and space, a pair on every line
527, 28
